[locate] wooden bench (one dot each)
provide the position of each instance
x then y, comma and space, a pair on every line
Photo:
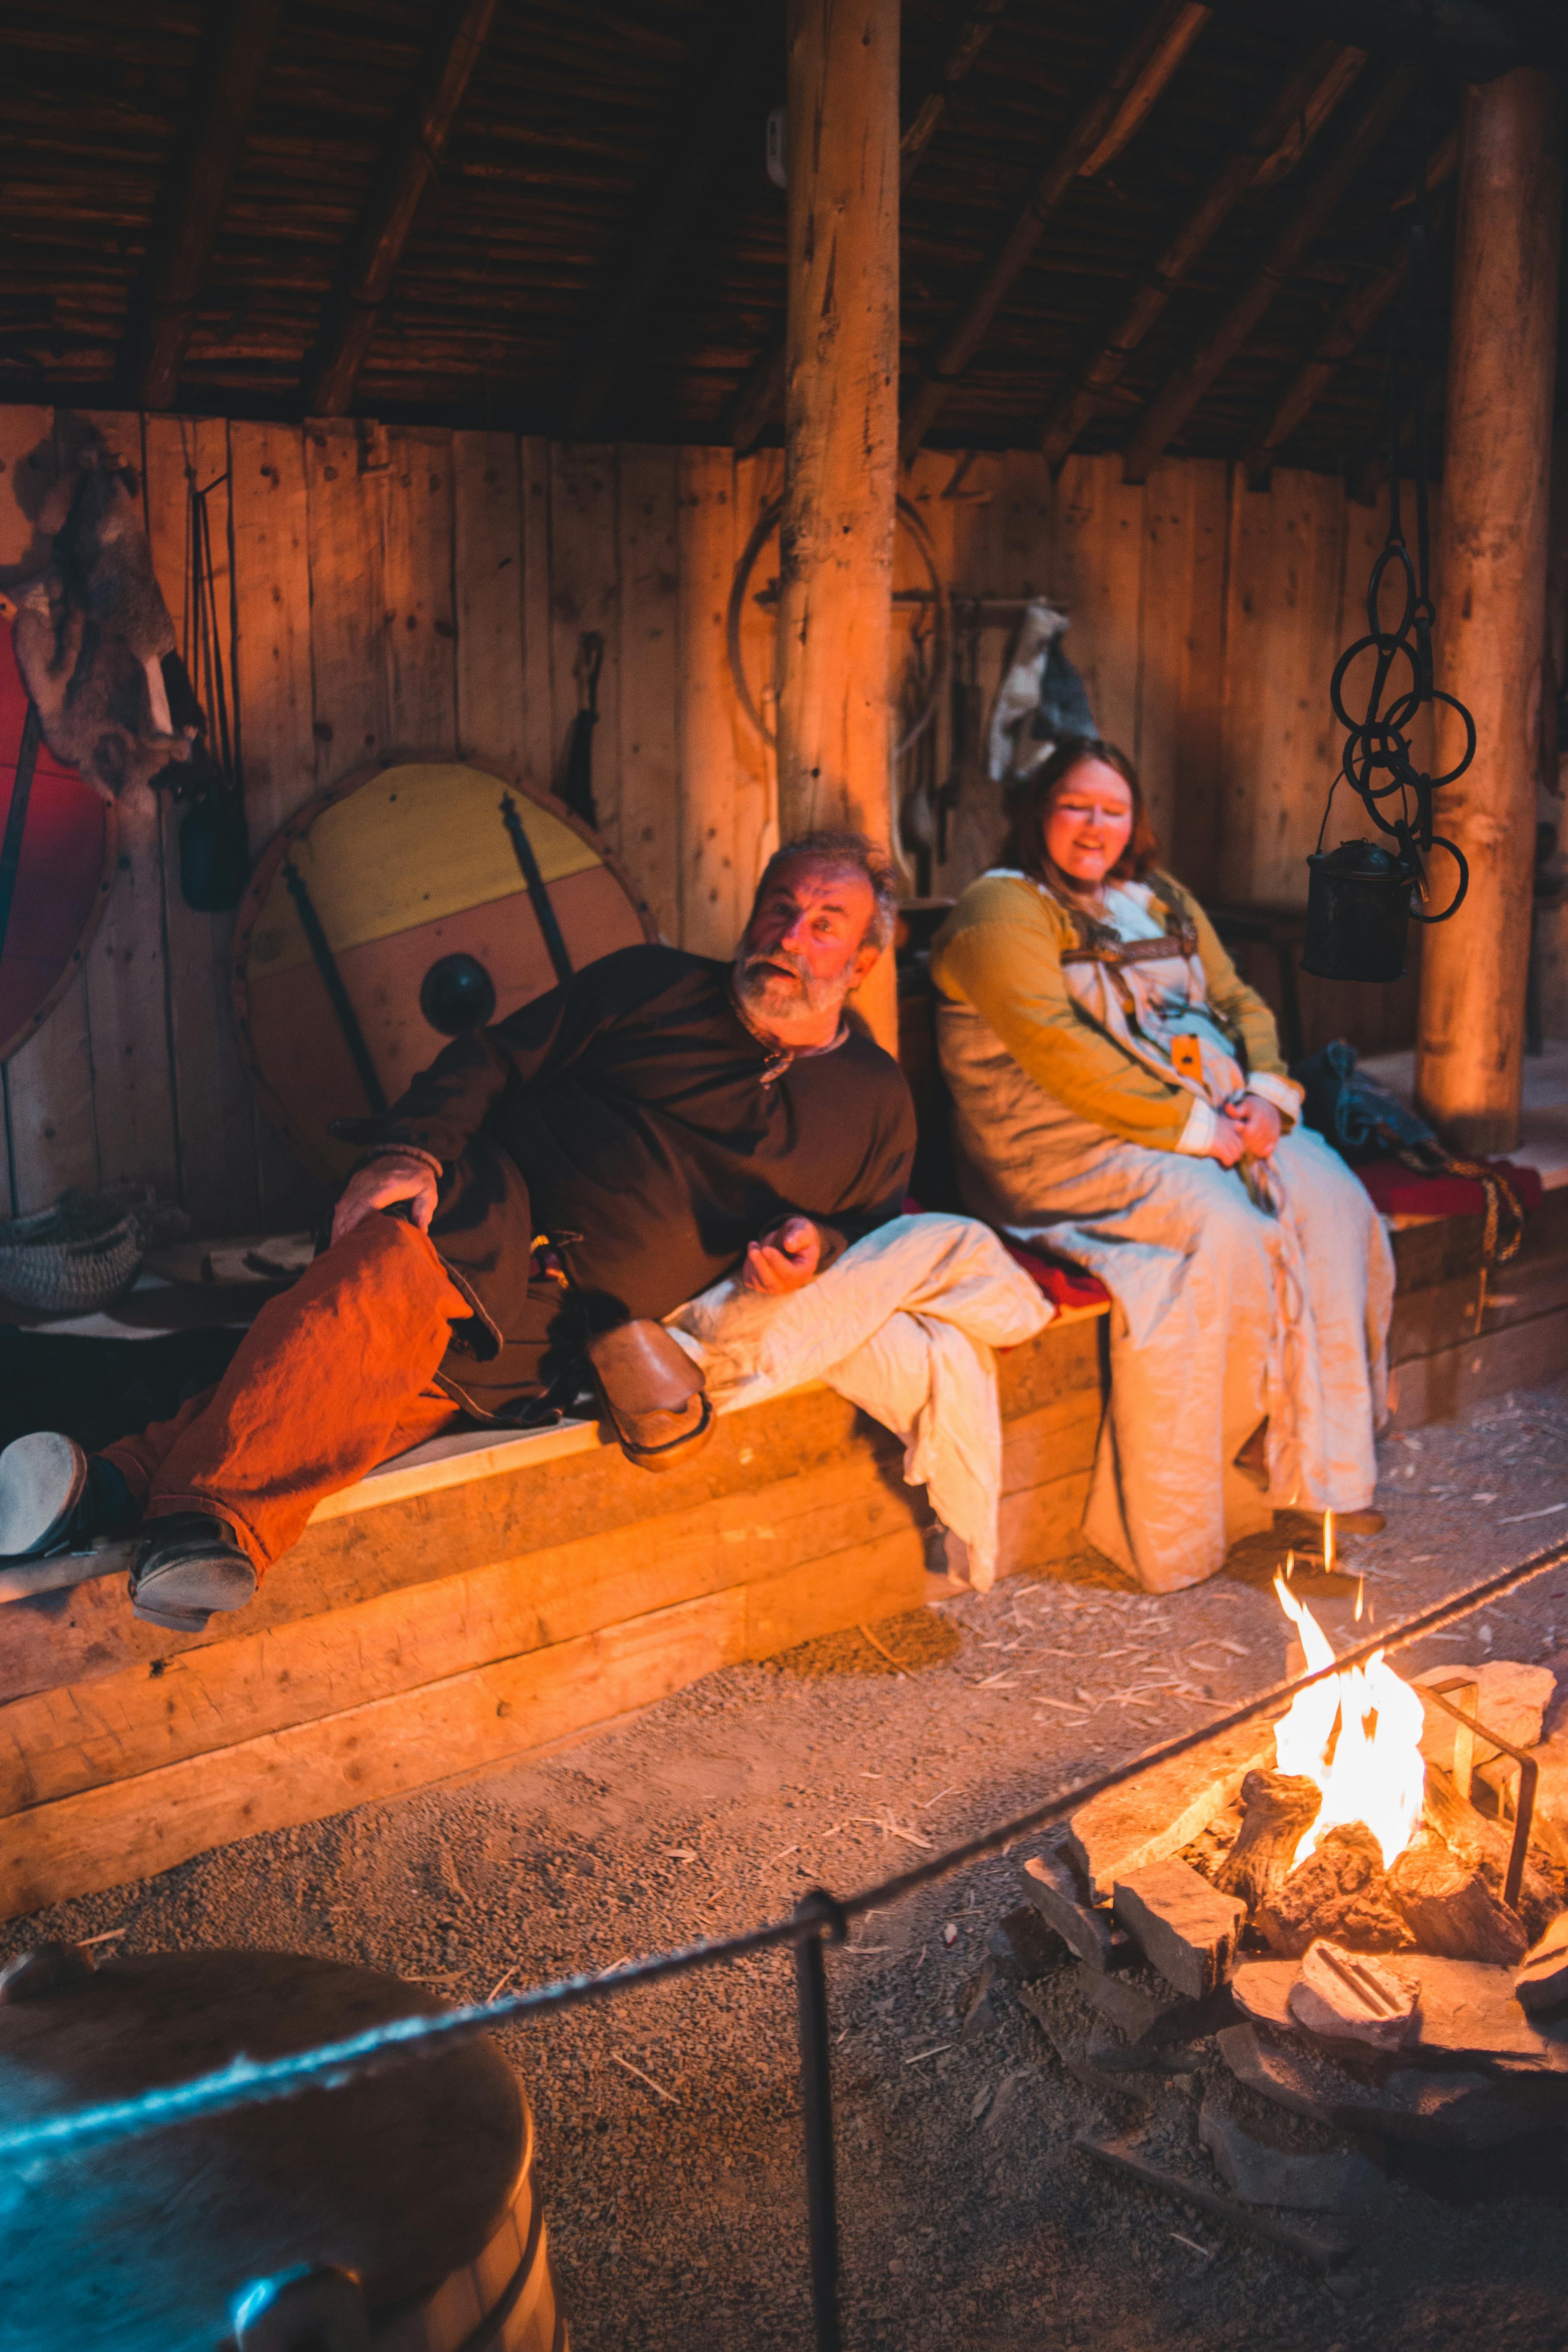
481, 1599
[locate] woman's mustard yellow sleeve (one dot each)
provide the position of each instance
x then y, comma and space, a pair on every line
1011, 973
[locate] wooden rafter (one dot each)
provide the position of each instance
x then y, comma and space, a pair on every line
1349, 328
730, 92
1112, 113
1174, 403
411, 162
190, 202
1093, 386
759, 402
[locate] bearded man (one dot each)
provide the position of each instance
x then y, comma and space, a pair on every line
548, 1188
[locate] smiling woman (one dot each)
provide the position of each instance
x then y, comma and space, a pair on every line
1119, 1095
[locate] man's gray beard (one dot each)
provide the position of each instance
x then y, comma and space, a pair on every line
767, 995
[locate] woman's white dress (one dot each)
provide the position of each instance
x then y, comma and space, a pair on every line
1236, 1294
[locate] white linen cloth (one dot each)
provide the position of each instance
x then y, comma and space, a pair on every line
1238, 1293
903, 1326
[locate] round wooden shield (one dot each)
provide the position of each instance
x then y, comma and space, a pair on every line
61, 870
412, 903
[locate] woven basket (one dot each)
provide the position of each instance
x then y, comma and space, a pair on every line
73, 1259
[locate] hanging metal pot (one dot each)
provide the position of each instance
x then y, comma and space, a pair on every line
1358, 913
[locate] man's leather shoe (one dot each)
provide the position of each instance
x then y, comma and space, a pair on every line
192, 1569
658, 1405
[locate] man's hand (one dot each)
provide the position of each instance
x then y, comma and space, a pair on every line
1258, 1123
381, 1184
785, 1259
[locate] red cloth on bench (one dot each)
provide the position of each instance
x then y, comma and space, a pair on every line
1064, 1285
1400, 1192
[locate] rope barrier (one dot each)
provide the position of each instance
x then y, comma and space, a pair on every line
250, 2083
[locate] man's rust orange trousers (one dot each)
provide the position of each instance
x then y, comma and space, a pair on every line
334, 1377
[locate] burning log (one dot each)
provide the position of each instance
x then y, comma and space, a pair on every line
1450, 1909
1483, 1845
1339, 1891
1280, 1808
1343, 1996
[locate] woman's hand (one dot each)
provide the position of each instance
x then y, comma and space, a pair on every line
785, 1259
1258, 1123
381, 1184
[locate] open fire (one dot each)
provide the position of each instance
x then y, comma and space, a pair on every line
1357, 1736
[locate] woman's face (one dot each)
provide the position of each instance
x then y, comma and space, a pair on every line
1089, 822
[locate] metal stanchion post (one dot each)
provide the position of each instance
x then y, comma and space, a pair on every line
821, 1915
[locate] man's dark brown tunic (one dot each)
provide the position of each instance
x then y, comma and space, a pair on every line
631, 1116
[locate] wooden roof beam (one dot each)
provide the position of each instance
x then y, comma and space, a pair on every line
759, 401
662, 239
1299, 103
411, 162
1119, 101
1350, 326
190, 201
1174, 403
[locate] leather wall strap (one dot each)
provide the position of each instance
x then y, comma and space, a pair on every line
332, 981
16, 817
538, 896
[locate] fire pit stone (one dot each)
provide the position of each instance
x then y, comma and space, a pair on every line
1420, 2105
1343, 1996
1542, 1982
1272, 2158
1185, 1926
1466, 2013
1165, 1809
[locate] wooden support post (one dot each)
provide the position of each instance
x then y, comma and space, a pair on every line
1301, 108
191, 202
1491, 600
758, 401
411, 162
841, 433
1179, 394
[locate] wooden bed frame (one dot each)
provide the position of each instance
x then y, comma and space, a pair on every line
481, 1600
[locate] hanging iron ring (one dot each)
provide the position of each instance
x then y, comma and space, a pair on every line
767, 522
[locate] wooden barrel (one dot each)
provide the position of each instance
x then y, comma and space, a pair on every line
417, 2181
408, 904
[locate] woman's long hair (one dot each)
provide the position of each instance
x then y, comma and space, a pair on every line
1024, 847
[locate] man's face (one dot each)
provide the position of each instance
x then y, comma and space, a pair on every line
805, 946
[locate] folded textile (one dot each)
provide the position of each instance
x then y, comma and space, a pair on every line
903, 1325
1401, 1191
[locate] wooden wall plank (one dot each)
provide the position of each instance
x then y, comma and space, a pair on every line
1102, 521
709, 891
420, 637
1282, 625
648, 752
51, 1132
759, 484
585, 595
487, 568
346, 511
275, 694
1181, 699
538, 724
213, 1107
923, 484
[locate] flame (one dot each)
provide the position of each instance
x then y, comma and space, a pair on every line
1329, 1542
1375, 1771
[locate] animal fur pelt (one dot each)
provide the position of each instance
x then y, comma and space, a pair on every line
92, 630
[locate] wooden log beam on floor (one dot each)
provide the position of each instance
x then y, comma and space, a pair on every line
731, 85
190, 202
759, 402
411, 162
1346, 331
1491, 595
841, 430
1179, 394
1326, 74
1106, 122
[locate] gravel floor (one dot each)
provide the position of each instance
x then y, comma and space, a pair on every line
668, 2125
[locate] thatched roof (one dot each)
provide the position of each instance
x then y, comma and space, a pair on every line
555, 214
